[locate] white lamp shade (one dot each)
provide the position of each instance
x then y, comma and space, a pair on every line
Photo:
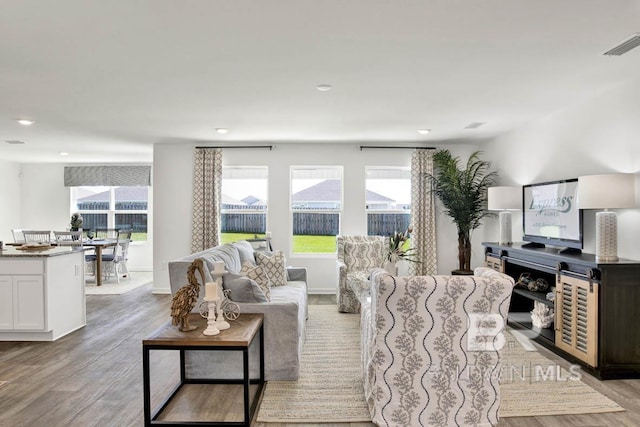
612, 191
504, 198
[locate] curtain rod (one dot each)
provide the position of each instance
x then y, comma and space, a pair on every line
270, 147
396, 147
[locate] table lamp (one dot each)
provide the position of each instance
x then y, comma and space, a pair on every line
504, 199
611, 191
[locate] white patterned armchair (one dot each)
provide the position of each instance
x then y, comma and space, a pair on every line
356, 257
421, 365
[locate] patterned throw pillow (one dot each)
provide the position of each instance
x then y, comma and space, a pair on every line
275, 265
362, 255
258, 274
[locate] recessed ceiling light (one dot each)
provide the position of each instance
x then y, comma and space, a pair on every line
63, 153
14, 142
25, 122
324, 88
424, 131
222, 130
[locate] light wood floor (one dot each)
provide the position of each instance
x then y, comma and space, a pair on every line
93, 377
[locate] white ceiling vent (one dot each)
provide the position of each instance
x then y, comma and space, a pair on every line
14, 142
625, 46
474, 125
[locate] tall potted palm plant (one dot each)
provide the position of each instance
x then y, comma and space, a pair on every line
463, 193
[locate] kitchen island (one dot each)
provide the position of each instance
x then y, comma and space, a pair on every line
41, 293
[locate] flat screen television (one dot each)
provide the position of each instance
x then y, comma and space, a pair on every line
550, 215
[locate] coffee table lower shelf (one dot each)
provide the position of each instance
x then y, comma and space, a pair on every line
177, 408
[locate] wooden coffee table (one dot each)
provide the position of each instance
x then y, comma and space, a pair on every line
239, 337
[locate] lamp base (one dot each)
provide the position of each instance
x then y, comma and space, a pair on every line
505, 228
606, 236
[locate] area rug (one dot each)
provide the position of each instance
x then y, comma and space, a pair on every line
134, 281
329, 389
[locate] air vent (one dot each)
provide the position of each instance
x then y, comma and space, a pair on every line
474, 125
14, 142
625, 46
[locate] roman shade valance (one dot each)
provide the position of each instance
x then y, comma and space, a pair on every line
108, 176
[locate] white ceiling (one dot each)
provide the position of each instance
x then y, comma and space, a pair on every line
105, 80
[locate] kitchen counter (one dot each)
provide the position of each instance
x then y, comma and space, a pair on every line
41, 293
13, 251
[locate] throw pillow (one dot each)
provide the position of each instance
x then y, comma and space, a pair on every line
243, 289
245, 250
274, 264
259, 275
363, 255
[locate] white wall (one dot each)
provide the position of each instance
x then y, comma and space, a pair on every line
45, 205
10, 199
173, 166
599, 136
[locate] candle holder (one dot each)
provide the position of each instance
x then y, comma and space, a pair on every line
220, 323
212, 329
215, 318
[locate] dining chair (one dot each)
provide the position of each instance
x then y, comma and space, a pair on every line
124, 237
37, 236
18, 237
106, 233
114, 259
68, 238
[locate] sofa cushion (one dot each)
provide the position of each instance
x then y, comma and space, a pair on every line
274, 264
226, 253
363, 255
243, 289
259, 275
245, 250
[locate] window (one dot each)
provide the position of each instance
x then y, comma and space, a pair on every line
388, 199
244, 202
316, 205
113, 207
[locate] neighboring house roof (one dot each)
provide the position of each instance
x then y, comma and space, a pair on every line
131, 194
329, 191
254, 201
228, 200
372, 196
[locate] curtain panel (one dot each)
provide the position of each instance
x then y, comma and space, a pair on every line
107, 176
207, 184
423, 213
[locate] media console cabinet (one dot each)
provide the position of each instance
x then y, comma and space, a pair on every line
596, 305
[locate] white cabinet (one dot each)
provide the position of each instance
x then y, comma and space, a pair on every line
28, 303
41, 295
6, 302
22, 306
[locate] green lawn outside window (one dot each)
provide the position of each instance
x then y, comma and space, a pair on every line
301, 244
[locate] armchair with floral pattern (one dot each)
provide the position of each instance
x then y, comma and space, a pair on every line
356, 257
431, 348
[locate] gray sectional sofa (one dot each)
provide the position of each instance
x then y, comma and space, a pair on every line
284, 317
